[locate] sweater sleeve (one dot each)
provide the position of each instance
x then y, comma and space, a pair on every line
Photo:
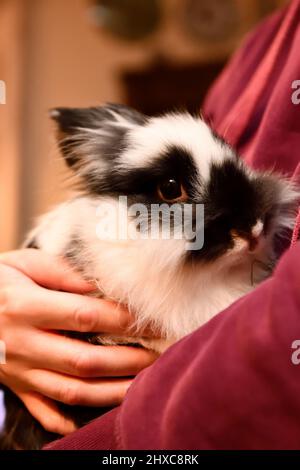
232, 384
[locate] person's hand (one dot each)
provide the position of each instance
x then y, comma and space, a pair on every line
40, 295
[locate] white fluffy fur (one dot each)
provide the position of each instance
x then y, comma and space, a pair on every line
148, 275
192, 134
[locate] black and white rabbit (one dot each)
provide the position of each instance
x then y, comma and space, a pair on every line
172, 159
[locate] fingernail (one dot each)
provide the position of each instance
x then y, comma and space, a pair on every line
69, 426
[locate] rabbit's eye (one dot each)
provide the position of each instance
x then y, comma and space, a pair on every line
171, 190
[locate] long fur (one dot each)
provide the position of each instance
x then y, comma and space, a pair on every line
116, 152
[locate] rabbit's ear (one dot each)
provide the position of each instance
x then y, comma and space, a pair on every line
88, 135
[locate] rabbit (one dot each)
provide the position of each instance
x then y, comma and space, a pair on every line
126, 164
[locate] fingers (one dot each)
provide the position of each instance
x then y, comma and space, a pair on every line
80, 359
73, 312
67, 310
46, 412
73, 391
46, 270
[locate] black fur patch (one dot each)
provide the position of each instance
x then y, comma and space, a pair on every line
73, 252
130, 114
140, 184
232, 201
75, 126
32, 244
71, 119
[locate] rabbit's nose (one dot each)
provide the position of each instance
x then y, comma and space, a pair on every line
249, 240
255, 235
257, 229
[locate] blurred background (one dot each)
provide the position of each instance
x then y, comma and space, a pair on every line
155, 55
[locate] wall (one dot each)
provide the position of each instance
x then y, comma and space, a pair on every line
11, 33
51, 55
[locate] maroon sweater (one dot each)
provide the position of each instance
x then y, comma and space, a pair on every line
232, 384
